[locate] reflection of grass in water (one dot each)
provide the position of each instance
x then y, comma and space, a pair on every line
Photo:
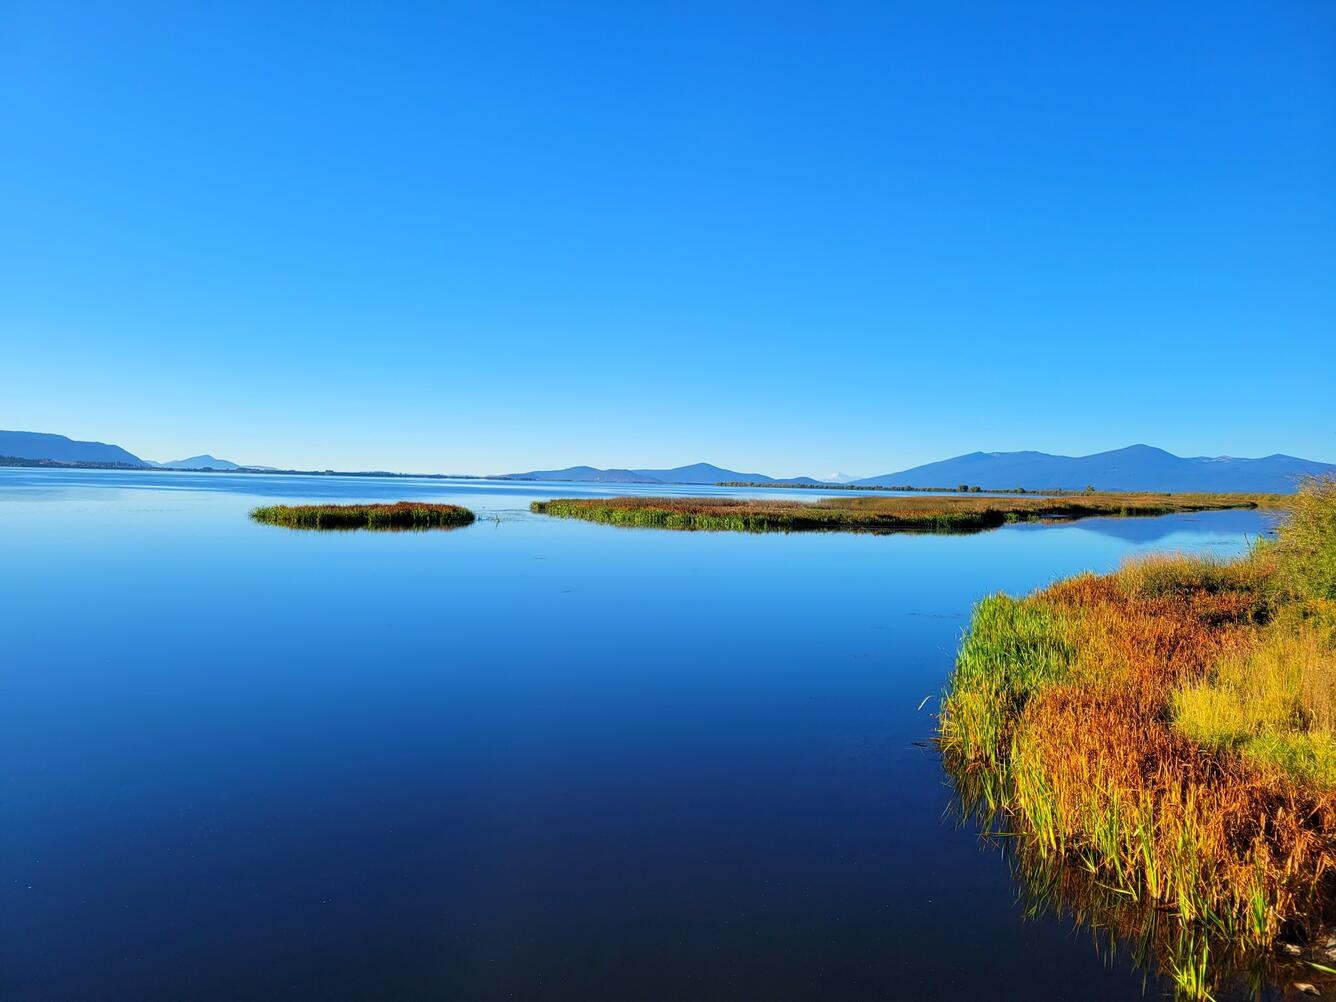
924, 514
401, 515
1198, 960
1162, 730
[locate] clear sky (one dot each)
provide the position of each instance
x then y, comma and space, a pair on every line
787, 238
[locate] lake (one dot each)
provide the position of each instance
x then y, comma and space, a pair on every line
531, 758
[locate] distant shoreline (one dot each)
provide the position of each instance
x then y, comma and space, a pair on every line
55, 464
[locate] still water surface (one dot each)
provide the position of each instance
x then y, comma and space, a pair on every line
530, 758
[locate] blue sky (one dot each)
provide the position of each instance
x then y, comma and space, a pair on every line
786, 238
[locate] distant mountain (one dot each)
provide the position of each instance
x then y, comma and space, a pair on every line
584, 474
1138, 467
704, 473
40, 446
58, 448
697, 473
204, 462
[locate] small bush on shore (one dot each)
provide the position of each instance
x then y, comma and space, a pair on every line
1306, 550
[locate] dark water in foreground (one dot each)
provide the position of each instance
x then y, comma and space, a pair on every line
527, 759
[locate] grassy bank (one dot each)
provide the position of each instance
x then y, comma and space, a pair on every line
1169, 730
401, 515
871, 513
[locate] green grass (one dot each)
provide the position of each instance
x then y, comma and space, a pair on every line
401, 515
1306, 551
1012, 649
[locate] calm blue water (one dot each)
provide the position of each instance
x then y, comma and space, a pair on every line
530, 759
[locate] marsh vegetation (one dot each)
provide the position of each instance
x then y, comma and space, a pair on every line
1169, 731
878, 513
401, 515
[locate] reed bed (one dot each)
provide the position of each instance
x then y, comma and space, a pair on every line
877, 513
1167, 730
401, 515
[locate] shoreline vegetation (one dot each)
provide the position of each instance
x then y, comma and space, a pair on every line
401, 515
952, 513
902, 489
1165, 737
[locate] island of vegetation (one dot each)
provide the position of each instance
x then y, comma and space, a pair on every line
890, 488
887, 514
401, 515
1165, 737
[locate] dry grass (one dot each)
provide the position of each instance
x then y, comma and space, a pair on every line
880, 513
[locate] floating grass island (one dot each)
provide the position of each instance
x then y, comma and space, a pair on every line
888, 514
401, 515
1166, 737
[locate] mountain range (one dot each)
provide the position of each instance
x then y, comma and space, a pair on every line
1137, 467
57, 448
43, 447
696, 473
204, 462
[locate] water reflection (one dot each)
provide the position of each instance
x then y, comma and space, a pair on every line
531, 758
1157, 941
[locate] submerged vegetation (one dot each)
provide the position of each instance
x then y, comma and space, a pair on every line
1169, 731
401, 515
930, 514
